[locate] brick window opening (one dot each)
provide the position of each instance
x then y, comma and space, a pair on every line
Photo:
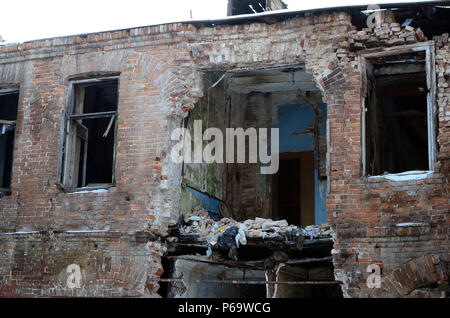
8, 116
88, 136
398, 113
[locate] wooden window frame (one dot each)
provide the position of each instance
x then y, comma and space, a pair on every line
429, 48
69, 134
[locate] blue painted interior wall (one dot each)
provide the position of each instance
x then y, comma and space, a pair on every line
297, 118
208, 203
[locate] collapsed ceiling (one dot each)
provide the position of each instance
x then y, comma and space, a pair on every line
269, 81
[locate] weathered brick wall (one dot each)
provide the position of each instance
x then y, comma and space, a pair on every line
443, 100
154, 90
111, 264
143, 195
367, 213
364, 212
158, 84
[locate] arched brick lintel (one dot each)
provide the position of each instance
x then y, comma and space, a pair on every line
426, 271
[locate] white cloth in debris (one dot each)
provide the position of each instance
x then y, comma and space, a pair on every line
240, 237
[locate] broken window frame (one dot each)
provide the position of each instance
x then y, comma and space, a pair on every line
70, 119
6, 90
429, 48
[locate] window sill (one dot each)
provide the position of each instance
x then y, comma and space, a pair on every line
404, 176
5, 191
97, 189
411, 224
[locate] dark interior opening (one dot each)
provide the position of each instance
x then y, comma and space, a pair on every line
203, 280
396, 117
289, 190
293, 197
99, 97
99, 164
8, 114
164, 286
314, 272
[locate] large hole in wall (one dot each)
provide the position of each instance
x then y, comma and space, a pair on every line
318, 272
282, 99
286, 99
196, 277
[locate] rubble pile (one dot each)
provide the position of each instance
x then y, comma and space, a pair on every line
388, 33
200, 223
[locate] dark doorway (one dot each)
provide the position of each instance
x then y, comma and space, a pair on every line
289, 190
294, 189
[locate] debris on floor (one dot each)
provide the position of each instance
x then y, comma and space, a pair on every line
227, 234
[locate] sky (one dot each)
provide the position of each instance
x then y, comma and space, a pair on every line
24, 20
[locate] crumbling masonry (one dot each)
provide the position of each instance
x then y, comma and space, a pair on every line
118, 235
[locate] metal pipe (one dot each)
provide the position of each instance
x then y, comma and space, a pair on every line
93, 115
244, 282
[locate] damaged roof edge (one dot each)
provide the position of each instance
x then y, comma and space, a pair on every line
287, 13
248, 18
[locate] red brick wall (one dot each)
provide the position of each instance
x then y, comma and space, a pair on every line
111, 264
152, 98
158, 84
364, 212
